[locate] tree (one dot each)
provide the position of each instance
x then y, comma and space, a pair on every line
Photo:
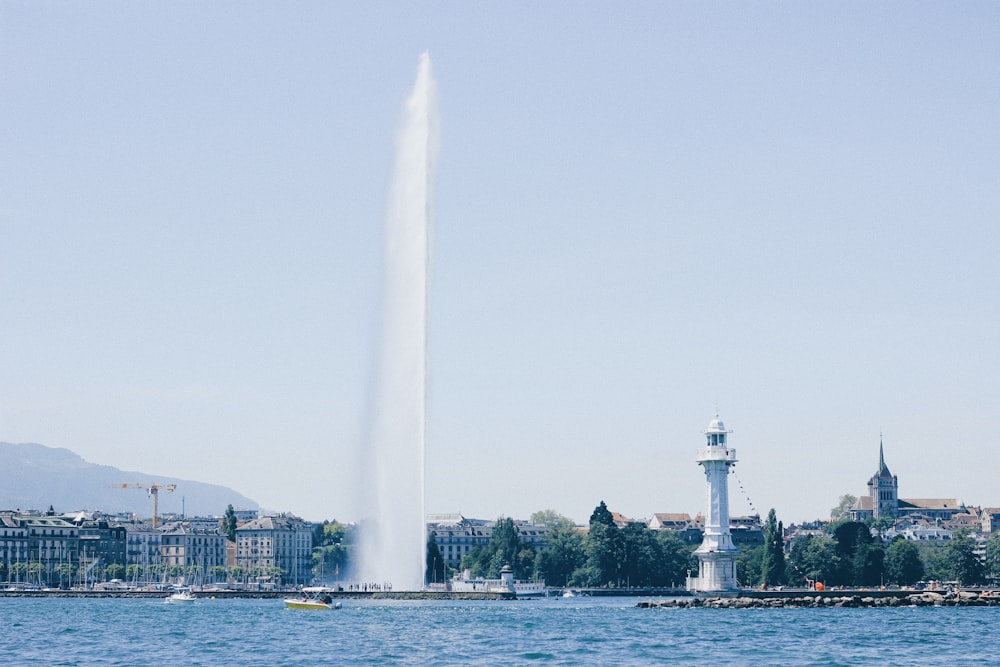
229, 523
675, 559
434, 566
65, 571
564, 555
133, 572
504, 548
903, 565
602, 515
960, 559
748, 565
843, 509
993, 556
859, 558
35, 572
114, 571
552, 519
814, 557
18, 571
772, 563
603, 546
218, 573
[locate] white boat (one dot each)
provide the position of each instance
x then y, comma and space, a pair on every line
464, 583
180, 596
304, 602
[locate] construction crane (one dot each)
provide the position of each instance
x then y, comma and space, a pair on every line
154, 491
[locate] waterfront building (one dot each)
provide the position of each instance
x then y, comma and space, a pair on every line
142, 547
717, 553
101, 544
38, 548
13, 544
272, 543
194, 549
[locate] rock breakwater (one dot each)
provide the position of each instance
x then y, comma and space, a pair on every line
919, 599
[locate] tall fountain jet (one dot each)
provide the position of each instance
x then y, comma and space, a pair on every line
393, 547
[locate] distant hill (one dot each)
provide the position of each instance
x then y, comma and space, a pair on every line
35, 476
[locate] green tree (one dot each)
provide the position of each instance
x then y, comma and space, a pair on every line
639, 554
237, 572
860, 559
903, 565
133, 572
675, 559
35, 572
65, 572
749, 565
773, 559
960, 559
602, 515
604, 549
564, 555
229, 523
993, 556
18, 571
504, 548
842, 511
814, 557
218, 573
434, 569
552, 519
114, 571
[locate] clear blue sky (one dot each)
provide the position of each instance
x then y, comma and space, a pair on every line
645, 212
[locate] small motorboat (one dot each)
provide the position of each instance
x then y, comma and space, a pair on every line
181, 595
325, 602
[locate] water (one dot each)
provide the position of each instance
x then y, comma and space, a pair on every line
393, 545
592, 631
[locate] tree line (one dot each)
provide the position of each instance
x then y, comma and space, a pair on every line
847, 553
603, 555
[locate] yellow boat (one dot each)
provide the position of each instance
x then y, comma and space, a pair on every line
311, 603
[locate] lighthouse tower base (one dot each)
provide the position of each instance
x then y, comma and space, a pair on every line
716, 574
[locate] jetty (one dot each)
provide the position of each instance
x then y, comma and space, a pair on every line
757, 599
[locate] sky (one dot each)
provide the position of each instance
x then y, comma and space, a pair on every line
645, 214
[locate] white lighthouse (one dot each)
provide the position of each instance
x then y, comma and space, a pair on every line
717, 554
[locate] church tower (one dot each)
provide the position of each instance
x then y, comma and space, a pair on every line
717, 553
883, 488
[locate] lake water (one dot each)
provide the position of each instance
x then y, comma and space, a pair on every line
579, 631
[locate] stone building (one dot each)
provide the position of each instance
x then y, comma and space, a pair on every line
883, 500
271, 542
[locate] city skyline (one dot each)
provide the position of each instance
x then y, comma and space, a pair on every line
781, 213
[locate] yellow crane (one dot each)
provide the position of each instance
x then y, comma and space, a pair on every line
154, 491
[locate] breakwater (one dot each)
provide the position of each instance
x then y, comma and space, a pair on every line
832, 599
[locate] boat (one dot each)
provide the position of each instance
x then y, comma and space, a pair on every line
304, 602
464, 583
181, 595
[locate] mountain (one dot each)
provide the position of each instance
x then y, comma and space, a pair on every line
35, 476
